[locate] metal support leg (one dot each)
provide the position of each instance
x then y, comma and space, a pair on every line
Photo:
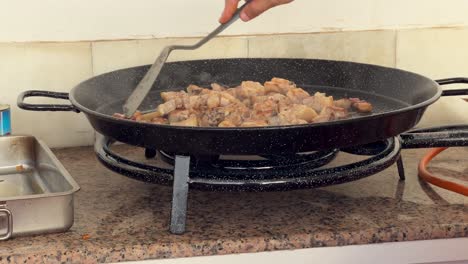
179, 194
401, 169
150, 153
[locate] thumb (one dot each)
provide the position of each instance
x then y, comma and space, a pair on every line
257, 7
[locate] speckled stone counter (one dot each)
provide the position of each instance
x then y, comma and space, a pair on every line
122, 219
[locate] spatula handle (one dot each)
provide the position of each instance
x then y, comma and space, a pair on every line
215, 32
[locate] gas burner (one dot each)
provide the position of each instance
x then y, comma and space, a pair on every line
254, 167
253, 173
270, 172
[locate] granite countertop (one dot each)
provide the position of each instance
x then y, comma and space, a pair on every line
117, 218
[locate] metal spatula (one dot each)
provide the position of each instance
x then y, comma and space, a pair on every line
143, 88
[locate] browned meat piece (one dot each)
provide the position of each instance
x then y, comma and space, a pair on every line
343, 103
330, 113
217, 87
283, 103
228, 96
299, 122
303, 112
274, 121
160, 120
297, 95
265, 106
193, 102
249, 89
254, 123
226, 124
213, 100
285, 119
259, 99
278, 85
318, 101
290, 118
212, 118
166, 108
363, 107
323, 118
236, 114
148, 116
224, 102
137, 114
338, 112
191, 121
278, 97
232, 92
166, 96
295, 115
265, 109
180, 98
178, 115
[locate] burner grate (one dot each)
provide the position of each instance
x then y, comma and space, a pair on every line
304, 170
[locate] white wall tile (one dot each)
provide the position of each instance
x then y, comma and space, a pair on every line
112, 55
437, 53
52, 67
376, 47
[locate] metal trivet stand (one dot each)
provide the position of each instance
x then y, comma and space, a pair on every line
272, 173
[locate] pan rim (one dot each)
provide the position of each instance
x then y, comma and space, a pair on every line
425, 103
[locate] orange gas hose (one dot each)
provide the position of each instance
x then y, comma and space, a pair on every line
428, 177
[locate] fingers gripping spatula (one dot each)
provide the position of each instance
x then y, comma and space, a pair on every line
143, 88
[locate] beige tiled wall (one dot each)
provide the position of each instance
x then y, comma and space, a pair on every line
376, 47
59, 66
111, 55
437, 53
52, 67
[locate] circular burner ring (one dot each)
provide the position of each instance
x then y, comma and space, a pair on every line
294, 177
264, 162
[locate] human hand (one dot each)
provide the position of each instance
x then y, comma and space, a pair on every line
251, 11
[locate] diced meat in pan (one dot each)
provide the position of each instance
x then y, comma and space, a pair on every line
166, 108
343, 103
278, 85
217, 87
178, 115
330, 113
192, 121
318, 101
297, 95
278, 102
254, 123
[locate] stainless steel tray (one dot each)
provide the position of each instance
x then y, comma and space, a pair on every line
36, 192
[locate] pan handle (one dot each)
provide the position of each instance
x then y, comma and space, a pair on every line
444, 136
453, 92
9, 225
44, 107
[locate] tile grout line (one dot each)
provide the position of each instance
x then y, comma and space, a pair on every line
92, 58
248, 47
396, 48
337, 30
